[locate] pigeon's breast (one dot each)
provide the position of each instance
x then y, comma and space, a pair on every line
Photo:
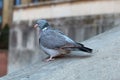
48, 51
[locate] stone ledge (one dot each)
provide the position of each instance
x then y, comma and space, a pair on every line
102, 65
42, 3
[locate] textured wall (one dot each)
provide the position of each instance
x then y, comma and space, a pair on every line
83, 27
24, 46
68, 9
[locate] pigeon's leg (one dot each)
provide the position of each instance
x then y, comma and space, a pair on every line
50, 59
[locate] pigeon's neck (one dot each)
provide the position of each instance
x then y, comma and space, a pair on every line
44, 28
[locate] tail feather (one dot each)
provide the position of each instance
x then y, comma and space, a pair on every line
83, 48
80, 47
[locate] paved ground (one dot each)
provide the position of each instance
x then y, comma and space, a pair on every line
103, 64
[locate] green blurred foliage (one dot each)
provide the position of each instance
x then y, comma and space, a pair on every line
4, 37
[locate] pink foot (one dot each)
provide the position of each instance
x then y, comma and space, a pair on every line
50, 59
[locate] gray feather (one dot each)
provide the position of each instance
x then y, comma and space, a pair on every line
54, 39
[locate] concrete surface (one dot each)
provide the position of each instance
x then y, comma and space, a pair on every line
103, 64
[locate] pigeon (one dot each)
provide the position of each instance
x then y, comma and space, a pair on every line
55, 43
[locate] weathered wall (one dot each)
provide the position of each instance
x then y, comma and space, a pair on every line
25, 2
83, 27
24, 46
75, 8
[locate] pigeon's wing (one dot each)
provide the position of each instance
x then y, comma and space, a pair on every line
53, 39
56, 30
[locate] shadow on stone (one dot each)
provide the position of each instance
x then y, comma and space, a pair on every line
73, 56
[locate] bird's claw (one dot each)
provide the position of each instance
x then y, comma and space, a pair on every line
49, 59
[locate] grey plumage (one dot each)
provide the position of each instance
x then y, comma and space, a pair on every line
52, 39
55, 42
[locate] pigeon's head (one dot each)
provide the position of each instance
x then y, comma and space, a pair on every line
42, 24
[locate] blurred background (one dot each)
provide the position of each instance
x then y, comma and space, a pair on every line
79, 19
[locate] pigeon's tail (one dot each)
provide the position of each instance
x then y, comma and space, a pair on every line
79, 46
83, 48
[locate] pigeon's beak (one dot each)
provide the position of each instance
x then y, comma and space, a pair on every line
36, 25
